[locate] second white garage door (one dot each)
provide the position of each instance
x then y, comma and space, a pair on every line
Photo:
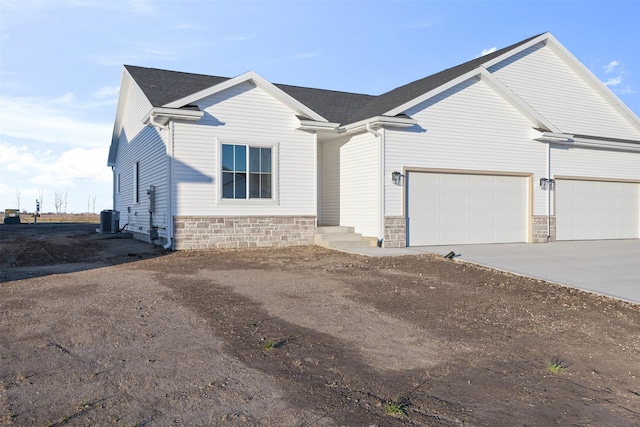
589, 209
457, 208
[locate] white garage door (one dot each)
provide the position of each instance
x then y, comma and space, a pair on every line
447, 208
589, 210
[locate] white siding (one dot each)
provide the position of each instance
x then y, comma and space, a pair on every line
243, 114
468, 127
359, 184
330, 161
143, 144
350, 183
582, 162
545, 82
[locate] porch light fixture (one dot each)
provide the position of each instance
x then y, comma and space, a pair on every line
546, 183
396, 177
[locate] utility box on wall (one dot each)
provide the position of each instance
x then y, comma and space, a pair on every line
109, 221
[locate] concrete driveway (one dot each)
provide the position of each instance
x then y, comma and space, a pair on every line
607, 267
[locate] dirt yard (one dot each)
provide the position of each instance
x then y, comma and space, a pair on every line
97, 330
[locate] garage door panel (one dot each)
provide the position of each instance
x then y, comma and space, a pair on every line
589, 210
466, 208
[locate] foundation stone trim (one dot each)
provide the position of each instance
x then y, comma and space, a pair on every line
540, 229
234, 232
395, 232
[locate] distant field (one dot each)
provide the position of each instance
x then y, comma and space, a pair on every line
52, 217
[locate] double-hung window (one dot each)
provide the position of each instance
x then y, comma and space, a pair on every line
247, 172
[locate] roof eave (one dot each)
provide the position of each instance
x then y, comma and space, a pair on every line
588, 141
314, 125
163, 115
379, 122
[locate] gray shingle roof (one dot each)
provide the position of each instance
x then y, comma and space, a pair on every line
162, 87
398, 96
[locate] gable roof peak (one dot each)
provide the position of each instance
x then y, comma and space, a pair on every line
394, 98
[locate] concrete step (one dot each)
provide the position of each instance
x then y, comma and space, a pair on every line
339, 237
333, 229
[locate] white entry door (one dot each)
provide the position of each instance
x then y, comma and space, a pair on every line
589, 210
458, 208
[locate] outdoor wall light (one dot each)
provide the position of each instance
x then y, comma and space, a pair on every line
396, 177
546, 183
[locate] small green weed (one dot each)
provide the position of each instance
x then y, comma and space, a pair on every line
397, 407
270, 344
556, 366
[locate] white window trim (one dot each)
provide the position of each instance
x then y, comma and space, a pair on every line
275, 162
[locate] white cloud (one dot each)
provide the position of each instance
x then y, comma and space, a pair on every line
107, 92
59, 121
611, 66
78, 171
135, 56
613, 81
488, 51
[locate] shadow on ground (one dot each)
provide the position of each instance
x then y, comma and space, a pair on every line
35, 250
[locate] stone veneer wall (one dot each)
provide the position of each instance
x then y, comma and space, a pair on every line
395, 232
209, 232
540, 229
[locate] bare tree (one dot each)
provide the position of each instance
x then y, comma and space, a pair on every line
64, 202
18, 198
57, 201
93, 203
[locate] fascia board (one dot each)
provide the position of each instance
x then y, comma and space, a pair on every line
208, 91
286, 99
541, 38
415, 101
265, 85
502, 90
379, 121
176, 113
315, 125
587, 142
464, 77
125, 81
594, 81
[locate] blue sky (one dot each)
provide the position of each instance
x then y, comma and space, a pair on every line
61, 63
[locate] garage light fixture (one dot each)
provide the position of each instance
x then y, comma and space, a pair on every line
546, 183
396, 177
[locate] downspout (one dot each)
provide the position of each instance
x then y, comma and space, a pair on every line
114, 187
549, 185
380, 182
169, 129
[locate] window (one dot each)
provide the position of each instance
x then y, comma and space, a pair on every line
118, 184
136, 182
246, 172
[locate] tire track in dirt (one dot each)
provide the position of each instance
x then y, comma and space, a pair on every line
323, 304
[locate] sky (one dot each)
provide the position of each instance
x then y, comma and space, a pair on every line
61, 63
